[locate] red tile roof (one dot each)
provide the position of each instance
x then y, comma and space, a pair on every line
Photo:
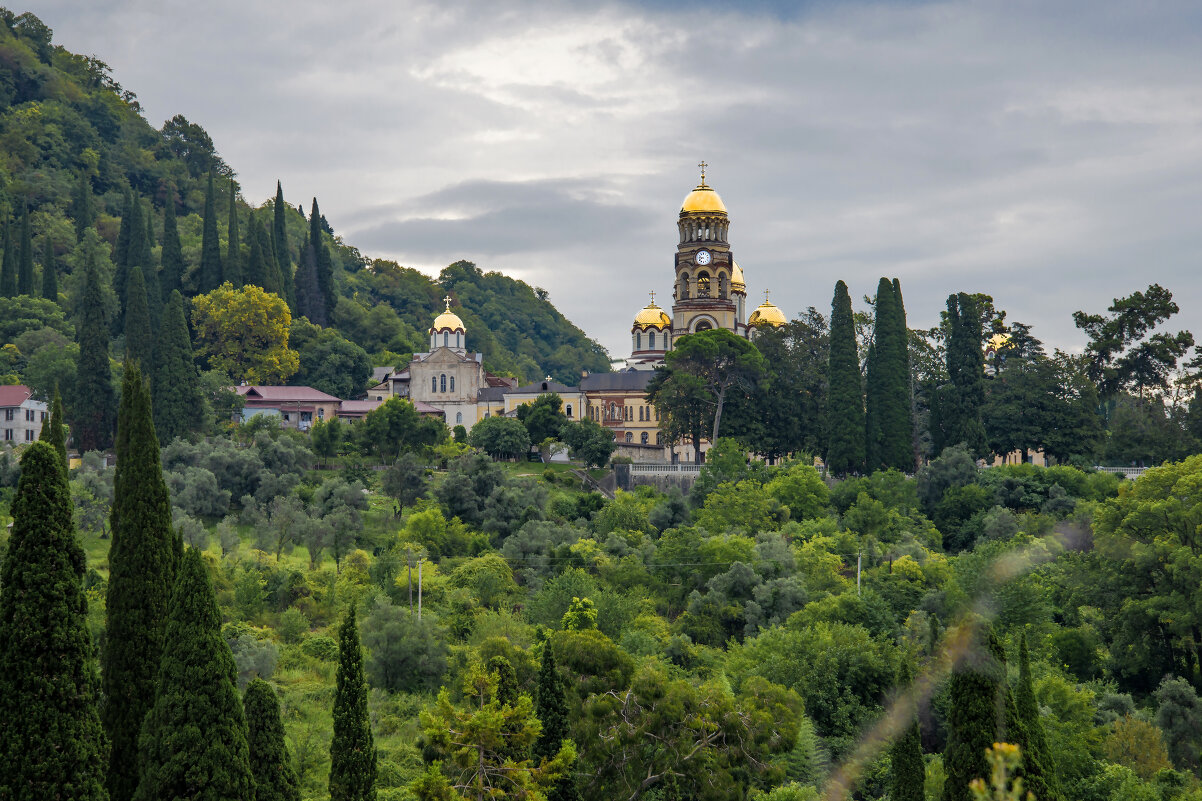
14, 394
285, 394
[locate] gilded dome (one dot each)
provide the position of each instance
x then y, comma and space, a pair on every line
703, 198
448, 320
737, 284
652, 316
767, 314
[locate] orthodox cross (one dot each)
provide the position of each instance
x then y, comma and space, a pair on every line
765, 296
702, 165
652, 298
448, 302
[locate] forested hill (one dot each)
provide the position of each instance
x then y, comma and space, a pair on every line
73, 142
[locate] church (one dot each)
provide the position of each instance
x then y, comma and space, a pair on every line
709, 291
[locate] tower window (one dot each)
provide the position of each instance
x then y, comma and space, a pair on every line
703, 285
443, 383
638, 341
651, 340
433, 383
703, 325
684, 287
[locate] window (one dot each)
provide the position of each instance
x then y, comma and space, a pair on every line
458, 418
446, 339
703, 325
658, 438
629, 437
452, 383
8, 433
286, 416
306, 417
442, 383
638, 340
29, 435
640, 414
656, 413
321, 414
29, 415
433, 383
703, 285
568, 410
651, 340
43, 417
8, 414
643, 437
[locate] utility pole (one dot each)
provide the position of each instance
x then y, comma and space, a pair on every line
859, 560
409, 577
419, 589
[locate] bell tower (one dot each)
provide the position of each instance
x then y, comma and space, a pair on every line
704, 294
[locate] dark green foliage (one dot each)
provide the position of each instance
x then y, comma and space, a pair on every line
25, 257
124, 235
54, 430
1038, 764
279, 241
589, 440
232, 269
271, 267
176, 384
8, 268
352, 751
551, 708
406, 479
976, 716
543, 418
270, 762
150, 274
139, 341
49, 272
406, 654
52, 745
845, 398
310, 302
82, 210
172, 257
888, 424
905, 756
210, 247
141, 561
93, 405
959, 404
133, 258
194, 739
325, 267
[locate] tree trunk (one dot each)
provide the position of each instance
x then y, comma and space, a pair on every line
718, 415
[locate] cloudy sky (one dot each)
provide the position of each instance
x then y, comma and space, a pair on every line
1049, 154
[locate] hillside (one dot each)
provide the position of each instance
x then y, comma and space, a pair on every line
65, 120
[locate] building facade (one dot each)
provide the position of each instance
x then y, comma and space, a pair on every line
21, 416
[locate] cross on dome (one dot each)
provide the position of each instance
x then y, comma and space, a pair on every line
652, 298
702, 165
448, 302
765, 295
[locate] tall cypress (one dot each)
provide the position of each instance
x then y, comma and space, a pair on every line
150, 273
232, 270
325, 266
279, 241
270, 762
93, 405
173, 255
49, 271
82, 210
897, 429
53, 429
141, 562
139, 341
193, 741
52, 745
176, 384
976, 715
121, 249
8, 268
909, 772
878, 384
256, 268
270, 265
845, 398
309, 301
133, 258
961, 401
1038, 764
352, 751
25, 260
210, 245
551, 708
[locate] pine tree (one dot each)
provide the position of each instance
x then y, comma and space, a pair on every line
141, 562
279, 241
139, 342
232, 271
352, 751
270, 762
25, 260
325, 266
173, 255
909, 772
976, 716
8, 268
53, 429
193, 741
49, 272
176, 384
961, 401
845, 399
551, 708
133, 258
52, 744
210, 246
82, 210
93, 406
1038, 765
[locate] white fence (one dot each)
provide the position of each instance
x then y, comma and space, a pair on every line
665, 468
1128, 472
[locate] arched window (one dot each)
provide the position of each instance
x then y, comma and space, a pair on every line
433, 383
458, 418
446, 339
643, 438
656, 413
452, 383
568, 410
651, 340
629, 437
638, 340
703, 325
703, 285
684, 287
722, 285
443, 383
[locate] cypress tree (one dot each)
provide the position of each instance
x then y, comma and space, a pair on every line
8, 268
82, 210
961, 401
210, 246
25, 262
49, 272
898, 429
193, 741
173, 255
909, 772
141, 561
93, 407
54, 431
150, 273
133, 258
270, 265
878, 385
352, 751
845, 398
279, 241
309, 302
256, 269
551, 708
176, 384
270, 762
325, 266
139, 342
121, 251
52, 744
232, 270
976, 716
1038, 765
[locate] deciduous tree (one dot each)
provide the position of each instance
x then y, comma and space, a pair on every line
244, 332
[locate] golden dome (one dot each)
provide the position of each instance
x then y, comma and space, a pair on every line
737, 284
703, 198
767, 314
448, 320
652, 316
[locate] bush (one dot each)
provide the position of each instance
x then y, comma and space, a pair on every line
404, 654
293, 625
320, 647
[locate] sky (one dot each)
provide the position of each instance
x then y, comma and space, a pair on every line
1048, 154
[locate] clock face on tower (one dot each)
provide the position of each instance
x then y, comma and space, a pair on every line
702, 257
